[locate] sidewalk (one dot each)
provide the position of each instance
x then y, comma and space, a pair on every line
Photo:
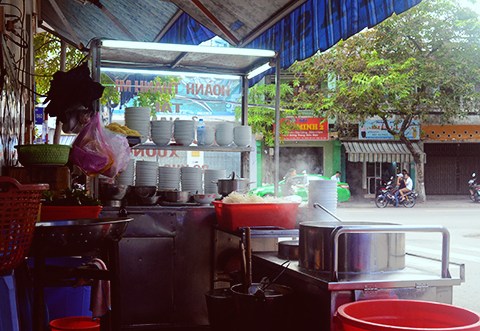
433, 201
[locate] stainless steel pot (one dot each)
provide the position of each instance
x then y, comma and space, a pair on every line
174, 196
59, 238
229, 185
321, 243
288, 249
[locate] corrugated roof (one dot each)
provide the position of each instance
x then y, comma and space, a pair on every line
379, 151
295, 29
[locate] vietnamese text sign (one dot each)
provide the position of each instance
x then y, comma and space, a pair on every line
308, 128
374, 128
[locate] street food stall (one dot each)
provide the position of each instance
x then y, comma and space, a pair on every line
168, 253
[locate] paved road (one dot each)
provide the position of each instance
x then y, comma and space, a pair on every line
460, 216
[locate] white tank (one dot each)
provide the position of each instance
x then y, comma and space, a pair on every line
323, 192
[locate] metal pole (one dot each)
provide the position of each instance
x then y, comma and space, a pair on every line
244, 100
95, 55
245, 156
58, 124
277, 125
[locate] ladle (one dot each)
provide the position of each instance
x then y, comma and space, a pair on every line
265, 283
317, 205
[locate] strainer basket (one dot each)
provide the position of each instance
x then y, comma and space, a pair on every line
19, 206
43, 154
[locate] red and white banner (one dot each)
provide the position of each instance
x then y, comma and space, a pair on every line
308, 128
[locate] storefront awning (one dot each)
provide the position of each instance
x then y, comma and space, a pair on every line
379, 151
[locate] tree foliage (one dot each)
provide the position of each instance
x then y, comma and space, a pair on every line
421, 62
261, 110
160, 93
425, 61
47, 60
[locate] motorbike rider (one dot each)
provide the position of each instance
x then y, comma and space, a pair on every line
289, 181
400, 185
408, 186
474, 188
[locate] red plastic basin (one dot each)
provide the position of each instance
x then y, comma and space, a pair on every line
405, 315
77, 323
55, 213
231, 216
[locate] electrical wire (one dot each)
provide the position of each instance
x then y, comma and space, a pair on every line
13, 64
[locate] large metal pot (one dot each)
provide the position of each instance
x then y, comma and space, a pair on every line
321, 243
65, 237
174, 196
229, 185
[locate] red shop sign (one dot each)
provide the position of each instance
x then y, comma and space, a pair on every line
309, 128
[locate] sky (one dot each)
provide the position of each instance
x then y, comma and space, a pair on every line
475, 5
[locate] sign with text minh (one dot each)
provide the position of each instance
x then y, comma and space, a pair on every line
308, 128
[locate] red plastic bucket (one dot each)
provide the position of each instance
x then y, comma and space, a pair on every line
405, 315
77, 323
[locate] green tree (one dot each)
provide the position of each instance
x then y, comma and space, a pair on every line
47, 60
422, 63
261, 117
261, 110
160, 93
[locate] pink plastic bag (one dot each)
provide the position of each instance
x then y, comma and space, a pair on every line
97, 151
119, 144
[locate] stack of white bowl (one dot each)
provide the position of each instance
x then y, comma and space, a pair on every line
224, 134
191, 179
323, 192
209, 136
138, 118
184, 132
146, 173
168, 178
211, 177
161, 132
242, 135
126, 177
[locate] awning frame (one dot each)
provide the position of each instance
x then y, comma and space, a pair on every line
380, 151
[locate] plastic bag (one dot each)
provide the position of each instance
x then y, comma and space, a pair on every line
97, 151
119, 144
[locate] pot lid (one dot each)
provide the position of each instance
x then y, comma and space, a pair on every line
331, 225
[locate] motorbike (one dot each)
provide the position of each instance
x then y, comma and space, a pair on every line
386, 196
474, 188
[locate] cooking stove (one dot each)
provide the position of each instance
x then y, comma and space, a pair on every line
317, 297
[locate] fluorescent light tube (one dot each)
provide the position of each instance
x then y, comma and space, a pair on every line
168, 73
187, 48
259, 70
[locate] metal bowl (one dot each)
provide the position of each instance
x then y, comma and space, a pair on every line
174, 196
204, 199
148, 201
67, 237
143, 191
109, 192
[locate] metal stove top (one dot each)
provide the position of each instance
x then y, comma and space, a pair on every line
419, 271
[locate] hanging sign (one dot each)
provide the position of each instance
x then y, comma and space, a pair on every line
374, 128
308, 128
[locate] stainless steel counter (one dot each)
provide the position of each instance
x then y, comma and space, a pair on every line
165, 264
316, 298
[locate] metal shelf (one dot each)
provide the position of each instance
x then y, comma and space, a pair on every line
194, 148
262, 232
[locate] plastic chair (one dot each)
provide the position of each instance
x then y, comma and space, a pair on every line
19, 207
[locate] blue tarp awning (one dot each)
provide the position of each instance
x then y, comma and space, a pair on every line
296, 29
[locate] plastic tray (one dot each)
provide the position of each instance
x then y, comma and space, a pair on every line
232, 216
54, 213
